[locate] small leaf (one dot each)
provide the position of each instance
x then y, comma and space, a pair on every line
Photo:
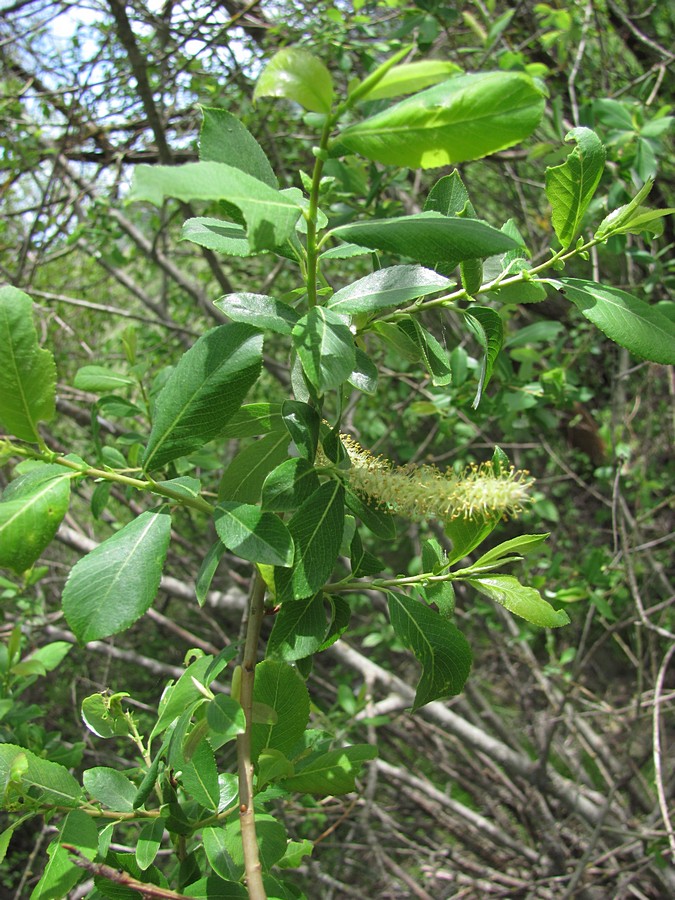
522, 601
408, 78
252, 534
302, 423
203, 391
253, 419
374, 517
113, 585
317, 533
148, 843
433, 355
570, 186
487, 326
99, 379
438, 645
218, 235
325, 347
299, 629
625, 319
259, 310
225, 719
386, 288
364, 376
279, 686
429, 237
522, 544
200, 776
31, 511
207, 571
467, 534
297, 75
28, 372
619, 217
461, 119
224, 139
110, 787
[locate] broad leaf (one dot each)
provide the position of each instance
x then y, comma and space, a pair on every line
24, 774
270, 214
332, 773
486, 325
438, 645
218, 235
297, 75
299, 629
461, 119
325, 346
252, 534
317, 534
242, 480
364, 376
279, 686
303, 424
429, 237
254, 419
433, 355
522, 601
110, 787
408, 78
625, 319
204, 390
386, 288
467, 534
522, 544
289, 485
570, 186
200, 776
224, 139
148, 843
374, 517
31, 511
259, 310
111, 587
28, 372
61, 873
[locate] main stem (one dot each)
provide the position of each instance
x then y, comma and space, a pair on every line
252, 866
312, 250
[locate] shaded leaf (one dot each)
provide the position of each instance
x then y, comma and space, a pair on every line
113, 585
331, 773
387, 287
299, 629
242, 480
280, 687
252, 534
259, 310
218, 235
487, 326
325, 347
224, 139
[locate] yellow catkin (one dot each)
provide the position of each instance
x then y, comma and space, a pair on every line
424, 492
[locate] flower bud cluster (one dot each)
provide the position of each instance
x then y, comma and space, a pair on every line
424, 492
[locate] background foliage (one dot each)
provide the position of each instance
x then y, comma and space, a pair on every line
457, 803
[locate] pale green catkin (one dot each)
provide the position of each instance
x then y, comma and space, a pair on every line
424, 492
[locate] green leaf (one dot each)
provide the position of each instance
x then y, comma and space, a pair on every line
23, 774
31, 511
364, 376
522, 544
110, 787
450, 197
331, 773
254, 419
435, 358
280, 687
625, 319
218, 235
225, 719
621, 216
644, 220
259, 310
103, 715
303, 424
467, 534
214, 888
461, 119
289, 485
325, 346
487, 326
270, 214
177, 698
28, 372
570, 186
297, 75
428, 237
224, 139
438, 645
522, 601
252, 534
442, 593
408, 78
388, 287
374, 517
61, 874
317, 533
299, 629
99, 379
203, 391
113, 585
242, 480
148, 843
200, 776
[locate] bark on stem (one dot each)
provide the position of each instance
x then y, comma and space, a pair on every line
253, 868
